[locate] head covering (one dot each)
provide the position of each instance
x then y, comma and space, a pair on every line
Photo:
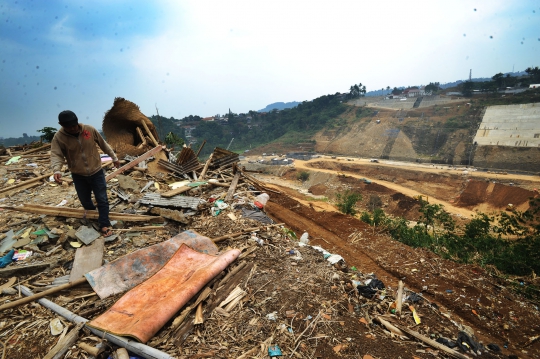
67, 118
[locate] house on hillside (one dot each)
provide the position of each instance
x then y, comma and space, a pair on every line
212, 118
414, 92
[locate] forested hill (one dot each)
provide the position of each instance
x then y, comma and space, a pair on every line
255, 128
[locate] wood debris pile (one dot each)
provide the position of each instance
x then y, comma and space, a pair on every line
280, 297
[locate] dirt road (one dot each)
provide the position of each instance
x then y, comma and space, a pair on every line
305, 165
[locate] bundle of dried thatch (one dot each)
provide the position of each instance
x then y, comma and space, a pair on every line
127, 130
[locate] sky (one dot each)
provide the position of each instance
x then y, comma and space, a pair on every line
204, 57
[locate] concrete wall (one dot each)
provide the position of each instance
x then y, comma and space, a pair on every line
511, 125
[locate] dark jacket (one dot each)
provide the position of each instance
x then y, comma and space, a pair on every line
80, 152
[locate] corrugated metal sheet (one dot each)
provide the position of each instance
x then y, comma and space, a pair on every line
155, 199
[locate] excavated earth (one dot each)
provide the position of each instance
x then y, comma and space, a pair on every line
485, 303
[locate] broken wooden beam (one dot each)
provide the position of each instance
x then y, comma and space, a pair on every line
176, 191
203, 173
25, 270
10, 188
170, 214
200, 148
149, 133
139, 229
65, 343
44, 147
135, 162
33, 297
232, 188
81, 213
219, 184
432, 342
399, 299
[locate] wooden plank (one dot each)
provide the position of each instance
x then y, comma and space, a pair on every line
150, 134
63, 345
81, 213
135, 162
22, 188
10, 188
176, 191
31, 298
399, 300
44, 147
87, 258
200, 148
24, 154
25, 270
203, 173
232, 188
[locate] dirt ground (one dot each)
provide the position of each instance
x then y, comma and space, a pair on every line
467, 293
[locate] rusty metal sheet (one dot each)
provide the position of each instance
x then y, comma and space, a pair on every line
145, 309
132, 269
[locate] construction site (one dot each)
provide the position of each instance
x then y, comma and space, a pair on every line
225, 257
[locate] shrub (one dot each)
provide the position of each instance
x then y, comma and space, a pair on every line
303, 176
347, 201
374, 202
366, 218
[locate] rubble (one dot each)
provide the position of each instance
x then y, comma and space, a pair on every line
278, 297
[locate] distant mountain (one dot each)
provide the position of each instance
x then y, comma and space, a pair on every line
279, 106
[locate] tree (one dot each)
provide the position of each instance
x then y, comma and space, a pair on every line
534, 73
433, 87
396, 91
48, 133
499, 79
356, 91
467, 88
172, 139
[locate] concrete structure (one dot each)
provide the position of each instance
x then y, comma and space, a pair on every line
510, 125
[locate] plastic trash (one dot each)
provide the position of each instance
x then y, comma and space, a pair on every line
21, 255
13, 160
257, 239
494, 347
7, 259
262, 198
371, 288
274, 351
466, 343
450, 344
304, 238
414, 298
56, 326
221, 204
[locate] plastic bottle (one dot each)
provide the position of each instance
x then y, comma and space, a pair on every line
262, 198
